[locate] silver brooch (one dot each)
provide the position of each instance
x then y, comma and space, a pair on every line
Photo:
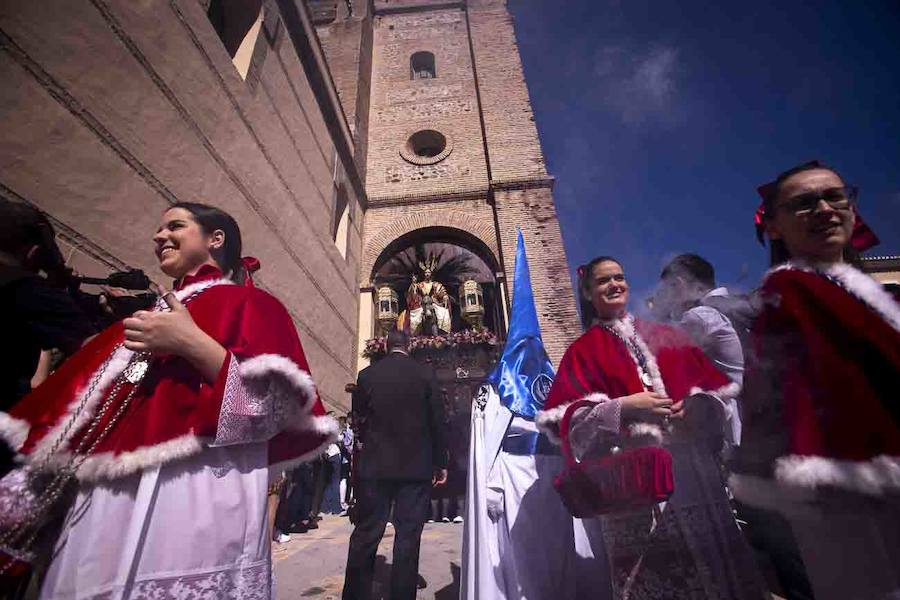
135, 371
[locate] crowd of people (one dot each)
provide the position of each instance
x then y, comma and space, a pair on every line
729, 447
724, 446
320, 487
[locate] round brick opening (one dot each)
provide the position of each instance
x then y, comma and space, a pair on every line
426, 147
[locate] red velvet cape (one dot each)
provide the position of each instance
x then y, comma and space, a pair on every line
599, 361
819, 404
174, 411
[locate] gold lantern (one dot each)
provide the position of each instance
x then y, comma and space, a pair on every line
388, 308
471, 303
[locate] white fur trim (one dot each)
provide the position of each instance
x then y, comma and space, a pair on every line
13, 431
268, 365
858, 283
875, 477
547, 421
195, 288
110, 465
88, 405
641, 429
324, 425
799, 476
726, 392
625, 328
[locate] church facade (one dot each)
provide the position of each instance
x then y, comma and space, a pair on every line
343, 135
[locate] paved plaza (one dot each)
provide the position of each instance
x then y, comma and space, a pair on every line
311, 565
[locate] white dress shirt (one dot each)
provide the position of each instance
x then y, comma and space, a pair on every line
714, 334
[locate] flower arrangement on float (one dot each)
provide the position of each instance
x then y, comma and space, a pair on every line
376, 347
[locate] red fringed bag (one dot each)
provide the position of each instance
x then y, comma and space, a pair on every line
616, 482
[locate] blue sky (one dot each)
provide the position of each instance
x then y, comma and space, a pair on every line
659, 119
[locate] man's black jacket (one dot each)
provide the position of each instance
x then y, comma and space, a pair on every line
402, 420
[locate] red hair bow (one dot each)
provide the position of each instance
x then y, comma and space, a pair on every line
251, 265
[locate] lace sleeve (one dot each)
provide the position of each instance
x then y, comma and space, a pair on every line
593, 428
263, 395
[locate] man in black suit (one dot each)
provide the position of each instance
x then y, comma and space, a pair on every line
402, 455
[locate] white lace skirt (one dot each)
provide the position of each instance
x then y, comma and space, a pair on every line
195, 528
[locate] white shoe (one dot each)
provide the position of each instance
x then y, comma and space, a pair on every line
457, 519
281, 538
389, 524
445, 520
430, 521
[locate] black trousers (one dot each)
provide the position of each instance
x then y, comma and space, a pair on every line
296, 499
375, 498
770, 533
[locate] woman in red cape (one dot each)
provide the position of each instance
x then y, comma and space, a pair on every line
639, 383
822, 419
169, 422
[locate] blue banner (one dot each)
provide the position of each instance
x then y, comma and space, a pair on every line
524, 373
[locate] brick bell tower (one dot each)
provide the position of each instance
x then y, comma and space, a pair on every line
450, 146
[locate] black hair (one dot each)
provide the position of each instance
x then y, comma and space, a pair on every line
23, 227
778, 251
397, 339
585, 274
692, 265
210, 219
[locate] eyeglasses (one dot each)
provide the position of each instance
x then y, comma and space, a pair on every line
838, 198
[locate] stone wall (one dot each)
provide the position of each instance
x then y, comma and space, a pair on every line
113, 110
532, 210
341, 42
400, 106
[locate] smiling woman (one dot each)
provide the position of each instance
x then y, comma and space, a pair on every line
809, 214
623, 385
604, 290
821, 421
192, 235
200, 396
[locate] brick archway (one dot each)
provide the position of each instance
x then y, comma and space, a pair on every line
459, 221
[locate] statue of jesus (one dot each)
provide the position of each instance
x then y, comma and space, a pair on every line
417, 292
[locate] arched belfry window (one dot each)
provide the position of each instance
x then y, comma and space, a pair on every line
421, 66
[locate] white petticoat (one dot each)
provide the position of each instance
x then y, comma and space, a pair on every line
195, 528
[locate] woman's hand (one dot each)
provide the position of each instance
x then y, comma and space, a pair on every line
645, 403
161, 332
175, 333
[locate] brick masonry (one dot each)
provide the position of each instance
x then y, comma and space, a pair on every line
114, 110
387, 223
482, 105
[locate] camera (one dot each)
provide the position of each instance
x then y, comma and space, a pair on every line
105, 309
132, 279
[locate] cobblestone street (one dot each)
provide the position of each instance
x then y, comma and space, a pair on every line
311, 565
